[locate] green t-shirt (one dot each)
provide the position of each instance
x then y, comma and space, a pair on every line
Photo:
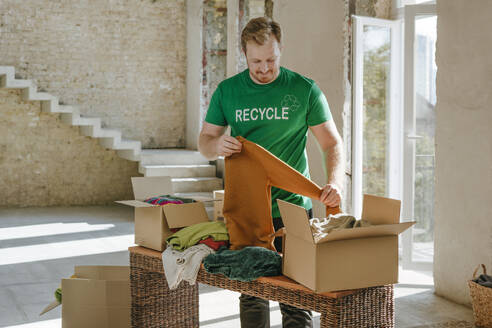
276, 116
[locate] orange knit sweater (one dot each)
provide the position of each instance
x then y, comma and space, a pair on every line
249, 175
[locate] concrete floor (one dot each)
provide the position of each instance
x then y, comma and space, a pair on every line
39, 246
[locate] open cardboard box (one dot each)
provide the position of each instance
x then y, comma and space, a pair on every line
219, 205
96, 297
347, 258
153, 222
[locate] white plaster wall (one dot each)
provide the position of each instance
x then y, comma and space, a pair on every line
313, 44
463, 221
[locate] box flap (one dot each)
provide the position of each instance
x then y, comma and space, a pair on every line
218, 194
146, 187
184, 215
101, 272
50, 307
151, 229
366, 232
296, 220
135, 203
380, 210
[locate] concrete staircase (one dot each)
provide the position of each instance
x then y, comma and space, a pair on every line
191, 173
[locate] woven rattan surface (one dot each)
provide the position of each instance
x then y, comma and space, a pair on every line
154, 305
482, 304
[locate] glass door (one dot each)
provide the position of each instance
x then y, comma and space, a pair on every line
376, 153
419, 151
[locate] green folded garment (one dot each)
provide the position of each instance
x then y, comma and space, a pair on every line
191, 235
58, 295
247, 264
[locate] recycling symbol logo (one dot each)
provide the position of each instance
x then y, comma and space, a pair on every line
291, 102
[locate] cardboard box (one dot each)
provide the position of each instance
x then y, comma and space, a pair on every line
348, 258
153, 222
218, 205
97, 297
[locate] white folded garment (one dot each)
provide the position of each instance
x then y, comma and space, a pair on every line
183, 265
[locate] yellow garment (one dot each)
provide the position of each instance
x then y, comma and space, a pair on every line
320, 228
323, 226
249, 175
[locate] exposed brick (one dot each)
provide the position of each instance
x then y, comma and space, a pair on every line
45, 162
124, 61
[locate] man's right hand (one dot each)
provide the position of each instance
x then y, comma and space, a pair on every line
227, 145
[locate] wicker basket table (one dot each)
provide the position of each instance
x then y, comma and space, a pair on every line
154, 305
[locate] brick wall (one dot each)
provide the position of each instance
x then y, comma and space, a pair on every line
123, 61
44, 162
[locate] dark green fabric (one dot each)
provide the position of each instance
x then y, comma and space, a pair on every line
247, 264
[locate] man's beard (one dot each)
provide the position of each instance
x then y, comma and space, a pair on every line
264, 78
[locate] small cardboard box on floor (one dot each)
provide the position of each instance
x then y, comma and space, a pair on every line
153, 222
97, 297
348, 258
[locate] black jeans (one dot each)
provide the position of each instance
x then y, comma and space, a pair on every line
255, 312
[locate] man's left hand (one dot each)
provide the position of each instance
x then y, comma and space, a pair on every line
331, 195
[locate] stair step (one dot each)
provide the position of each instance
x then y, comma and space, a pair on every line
89, 126
113, 140
129, 154
128, 144
64, 109
7, 70
39, 96
107, 134
7, 73
18, 84
205, 194
71, 114
172, 157
196, 184
178, 171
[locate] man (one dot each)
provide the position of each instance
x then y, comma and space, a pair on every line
273, 107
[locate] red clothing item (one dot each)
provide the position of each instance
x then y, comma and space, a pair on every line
215, 245
249, 176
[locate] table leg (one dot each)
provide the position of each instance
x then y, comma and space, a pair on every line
154, 305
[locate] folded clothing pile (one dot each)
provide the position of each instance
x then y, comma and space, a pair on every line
187, 248
193, 234
323, 226
168, 199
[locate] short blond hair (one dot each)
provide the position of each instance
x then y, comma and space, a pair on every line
259, 30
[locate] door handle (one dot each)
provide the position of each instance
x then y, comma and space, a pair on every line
414, 136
